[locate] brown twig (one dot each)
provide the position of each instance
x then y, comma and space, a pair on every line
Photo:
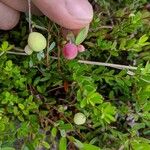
47, 52
60, 87
59, 53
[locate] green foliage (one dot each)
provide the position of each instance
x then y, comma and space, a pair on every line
40, 94
5, 46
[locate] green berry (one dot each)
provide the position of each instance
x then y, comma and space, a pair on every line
79, 118
36, 41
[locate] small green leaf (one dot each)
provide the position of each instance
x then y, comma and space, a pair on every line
40, 55
82, 35
63, 144
53, 44
90, 147
85, 146
66, 127
83, 103
54, 132
95, 98
21, 106
5, 45
140, 146
24, 147
46, 145
143, 39
10, 47
78, 144
2, 126
15, 110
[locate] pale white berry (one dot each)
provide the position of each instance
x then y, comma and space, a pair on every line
79, 118
36, 41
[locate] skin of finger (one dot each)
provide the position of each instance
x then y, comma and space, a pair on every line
69, 14
68, 17
21, 5
8, 17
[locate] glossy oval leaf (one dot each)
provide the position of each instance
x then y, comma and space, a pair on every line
82, 35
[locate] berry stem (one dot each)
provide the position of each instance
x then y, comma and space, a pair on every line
29, 15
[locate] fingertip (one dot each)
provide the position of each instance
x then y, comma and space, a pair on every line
81, 11
67, 13
21, 5
9, 17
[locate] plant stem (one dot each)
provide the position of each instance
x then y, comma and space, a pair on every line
47, 52
101, 27
29, 13
107, 65
16, 53
58, 58
39, 27
18, 49
117, 66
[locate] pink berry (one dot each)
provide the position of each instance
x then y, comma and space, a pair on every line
70, 51
81, 48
